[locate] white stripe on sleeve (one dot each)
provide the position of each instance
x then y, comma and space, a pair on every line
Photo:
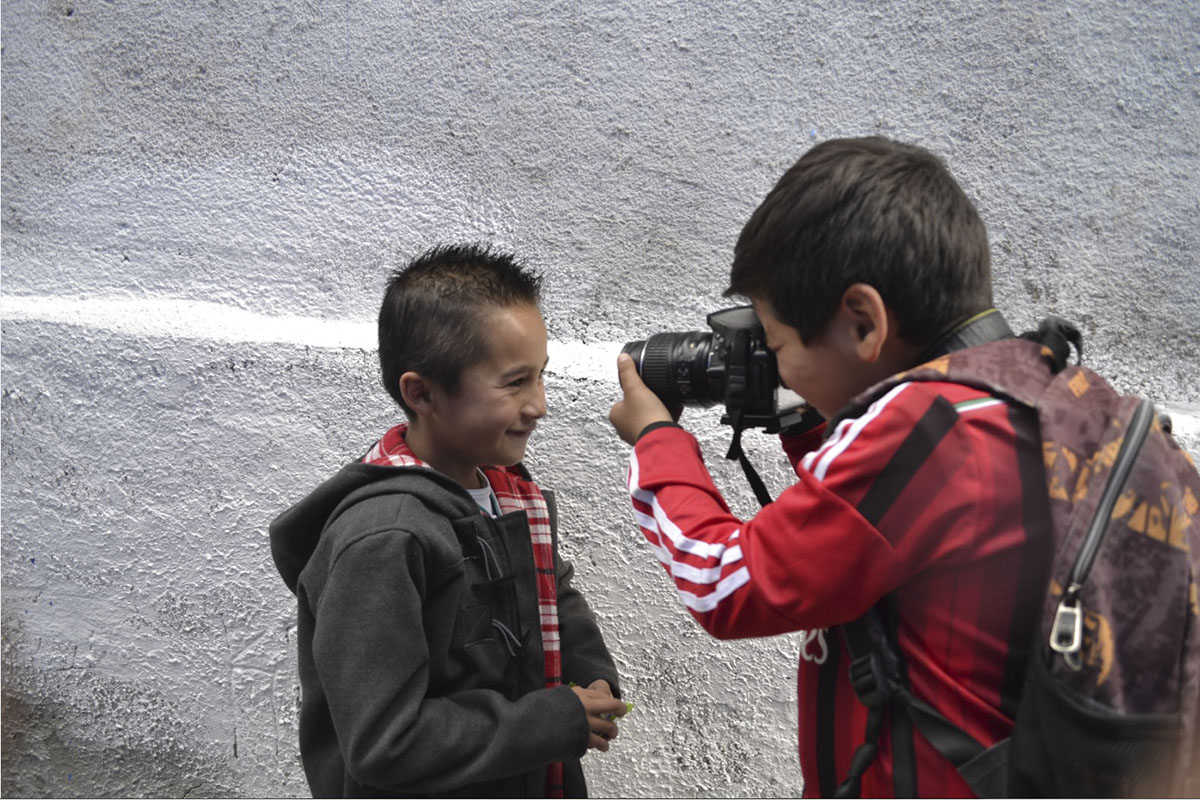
847, 432
725, 554
725, 588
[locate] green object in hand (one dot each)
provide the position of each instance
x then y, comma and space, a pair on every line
628, 705
628, 709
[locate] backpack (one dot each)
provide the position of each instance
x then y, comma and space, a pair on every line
1111, 696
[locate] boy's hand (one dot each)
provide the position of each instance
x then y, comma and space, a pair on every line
598, 704
640, 407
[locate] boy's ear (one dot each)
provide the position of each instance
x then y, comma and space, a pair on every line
417, 392
865, 320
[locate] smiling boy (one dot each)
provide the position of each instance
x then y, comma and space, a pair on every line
497, 405
438, 628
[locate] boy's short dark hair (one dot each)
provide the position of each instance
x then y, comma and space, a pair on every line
431, 318
873, 211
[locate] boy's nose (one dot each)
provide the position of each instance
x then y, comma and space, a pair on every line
535, 406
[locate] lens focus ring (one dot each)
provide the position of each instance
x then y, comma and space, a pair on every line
656, 366
675, 367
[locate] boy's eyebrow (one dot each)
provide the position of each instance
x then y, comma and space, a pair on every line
522, 369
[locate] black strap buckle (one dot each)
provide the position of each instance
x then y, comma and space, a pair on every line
870, 682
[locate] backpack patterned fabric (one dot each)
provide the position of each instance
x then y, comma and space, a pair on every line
1117, 715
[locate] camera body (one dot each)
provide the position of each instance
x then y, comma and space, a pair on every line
730, 365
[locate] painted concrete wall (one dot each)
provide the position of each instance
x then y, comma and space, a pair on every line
200, 202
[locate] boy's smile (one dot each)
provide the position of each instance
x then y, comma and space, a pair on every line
498, 403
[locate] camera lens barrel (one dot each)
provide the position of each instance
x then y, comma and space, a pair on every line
675, 366
730, 365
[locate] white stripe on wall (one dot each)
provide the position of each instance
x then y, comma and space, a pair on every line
181, 318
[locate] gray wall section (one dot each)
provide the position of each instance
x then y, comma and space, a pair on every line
275, 158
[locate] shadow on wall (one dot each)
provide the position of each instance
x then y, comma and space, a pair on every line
71, 732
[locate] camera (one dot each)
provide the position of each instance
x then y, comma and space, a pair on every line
730, 365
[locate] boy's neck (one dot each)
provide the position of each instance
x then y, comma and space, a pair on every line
427, 451
897, 357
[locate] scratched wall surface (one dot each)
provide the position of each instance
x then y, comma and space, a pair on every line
199, 205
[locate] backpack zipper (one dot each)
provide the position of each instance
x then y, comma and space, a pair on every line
1066, 634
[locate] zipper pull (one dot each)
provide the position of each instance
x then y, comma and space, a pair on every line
1066, 635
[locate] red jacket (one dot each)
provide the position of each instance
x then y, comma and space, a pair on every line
921, 496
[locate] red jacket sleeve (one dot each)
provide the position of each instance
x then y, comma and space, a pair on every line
805, 561
797, 446
808, 560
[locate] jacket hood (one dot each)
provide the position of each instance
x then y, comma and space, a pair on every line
296, 532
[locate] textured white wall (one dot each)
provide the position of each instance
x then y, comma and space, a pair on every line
200, 201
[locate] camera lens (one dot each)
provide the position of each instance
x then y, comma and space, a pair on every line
676, 367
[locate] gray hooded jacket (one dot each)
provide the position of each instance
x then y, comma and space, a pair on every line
410, 683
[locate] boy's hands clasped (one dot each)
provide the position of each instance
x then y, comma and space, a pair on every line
601, 709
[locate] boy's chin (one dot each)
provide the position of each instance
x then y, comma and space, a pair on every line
512, 455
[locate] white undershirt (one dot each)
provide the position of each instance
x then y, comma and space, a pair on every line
485, 497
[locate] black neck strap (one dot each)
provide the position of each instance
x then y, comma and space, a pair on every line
984, 327
736, 452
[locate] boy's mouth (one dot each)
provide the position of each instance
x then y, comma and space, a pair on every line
520, 434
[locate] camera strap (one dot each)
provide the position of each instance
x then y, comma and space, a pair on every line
736, 452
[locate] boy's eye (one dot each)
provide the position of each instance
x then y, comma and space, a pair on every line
523, 380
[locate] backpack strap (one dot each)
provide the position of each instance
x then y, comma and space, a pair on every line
877, 675
1058, 335
877, 671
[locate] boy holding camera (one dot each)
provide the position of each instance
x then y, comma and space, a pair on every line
865, 260
438, 628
